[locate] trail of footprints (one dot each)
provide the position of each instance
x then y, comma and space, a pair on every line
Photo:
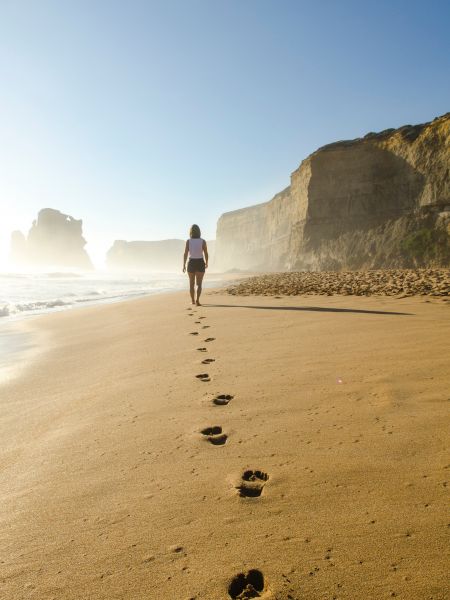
203, 377
207, 361
222, 399
214, 435
246, 585
251, 484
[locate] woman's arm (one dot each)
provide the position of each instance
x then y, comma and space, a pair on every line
186, 251
205, 252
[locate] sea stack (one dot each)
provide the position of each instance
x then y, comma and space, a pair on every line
54, 240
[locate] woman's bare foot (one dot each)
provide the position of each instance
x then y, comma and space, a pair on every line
198, 303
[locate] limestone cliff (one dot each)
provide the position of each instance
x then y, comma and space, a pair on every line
161, 255
374, 202
54, 240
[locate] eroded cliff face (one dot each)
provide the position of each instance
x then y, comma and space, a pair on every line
240, 238
54, 240
259, 235
380, 201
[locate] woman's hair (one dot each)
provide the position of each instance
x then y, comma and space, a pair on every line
195, 231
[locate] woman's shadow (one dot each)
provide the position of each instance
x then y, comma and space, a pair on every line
312, 308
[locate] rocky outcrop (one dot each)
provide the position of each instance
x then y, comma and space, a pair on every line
162, 255
54, 240
375, 202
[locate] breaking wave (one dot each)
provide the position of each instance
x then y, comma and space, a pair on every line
25, 294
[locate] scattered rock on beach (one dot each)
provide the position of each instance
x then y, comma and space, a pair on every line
391, 282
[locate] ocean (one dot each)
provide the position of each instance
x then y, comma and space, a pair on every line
25, 294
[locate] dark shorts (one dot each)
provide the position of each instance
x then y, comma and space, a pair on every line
196, 265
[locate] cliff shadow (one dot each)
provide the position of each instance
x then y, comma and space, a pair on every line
359, 195
362, 183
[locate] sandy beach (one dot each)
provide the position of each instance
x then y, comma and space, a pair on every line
321, 472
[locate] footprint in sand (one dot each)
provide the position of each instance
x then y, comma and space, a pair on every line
194, 333
214, 435
202, 317
206, 326
202, 349
210, 339
203, 377
222, 399
247, 585
197, 322
208, 360
252, 484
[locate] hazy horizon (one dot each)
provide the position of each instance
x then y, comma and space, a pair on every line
143, 119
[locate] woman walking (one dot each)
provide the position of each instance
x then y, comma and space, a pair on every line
195, 248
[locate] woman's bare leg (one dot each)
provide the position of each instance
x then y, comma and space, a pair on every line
192, 286
199, 277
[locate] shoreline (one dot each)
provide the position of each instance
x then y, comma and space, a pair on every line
110, 490
18, 349
54, 305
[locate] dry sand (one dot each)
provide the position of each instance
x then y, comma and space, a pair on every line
109, 490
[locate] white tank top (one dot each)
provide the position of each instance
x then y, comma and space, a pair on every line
196, 247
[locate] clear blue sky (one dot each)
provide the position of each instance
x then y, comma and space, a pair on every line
142, 117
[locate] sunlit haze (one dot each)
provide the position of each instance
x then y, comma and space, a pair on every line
143, 117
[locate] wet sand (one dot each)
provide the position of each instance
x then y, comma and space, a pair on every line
321, 471
17, 348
